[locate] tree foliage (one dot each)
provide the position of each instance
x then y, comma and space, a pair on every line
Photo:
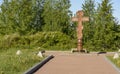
89, 11
17, 15
100, 33
56, 15
106, 23
25, 16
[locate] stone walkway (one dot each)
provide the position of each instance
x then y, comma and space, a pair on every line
67, 63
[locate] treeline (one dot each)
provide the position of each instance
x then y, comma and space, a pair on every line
31, 16
51, 19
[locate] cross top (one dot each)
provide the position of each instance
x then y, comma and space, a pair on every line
79, 17
80, 13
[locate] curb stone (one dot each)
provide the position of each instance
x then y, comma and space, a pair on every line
39, 65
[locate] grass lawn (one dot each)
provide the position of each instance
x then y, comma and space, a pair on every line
115, 61
10, 63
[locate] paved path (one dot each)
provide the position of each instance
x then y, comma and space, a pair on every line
66, 63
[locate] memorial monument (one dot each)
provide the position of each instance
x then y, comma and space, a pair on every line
80, 18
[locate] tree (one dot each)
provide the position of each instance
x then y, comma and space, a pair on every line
64, 13
38, 21
17, 15
88, 31
4, 28
117, 35
56, 15
104, 28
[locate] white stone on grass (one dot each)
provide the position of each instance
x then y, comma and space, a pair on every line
40, 54
18, 52
116, 56
119, 50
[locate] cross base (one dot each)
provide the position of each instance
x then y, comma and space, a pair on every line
81, 51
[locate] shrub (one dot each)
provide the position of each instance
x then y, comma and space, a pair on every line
51, 40
46, 40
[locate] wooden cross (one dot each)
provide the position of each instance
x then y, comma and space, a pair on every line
79, 18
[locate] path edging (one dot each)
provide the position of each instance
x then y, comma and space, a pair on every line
113, 65
39, 65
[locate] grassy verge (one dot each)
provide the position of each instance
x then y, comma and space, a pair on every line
115, 61
10, 63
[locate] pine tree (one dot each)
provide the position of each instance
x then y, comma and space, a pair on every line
38, 21
17, 15
56, 15
104, 35
4, 27
88, 31
64, 13
117, 35
48, 15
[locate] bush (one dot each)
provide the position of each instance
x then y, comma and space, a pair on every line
51, 40
46, 40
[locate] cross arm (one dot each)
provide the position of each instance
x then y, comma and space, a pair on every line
74, 19
85, 19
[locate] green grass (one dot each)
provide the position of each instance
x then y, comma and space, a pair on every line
10, 63
115, 61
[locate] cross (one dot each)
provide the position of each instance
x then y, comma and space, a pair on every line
79, 18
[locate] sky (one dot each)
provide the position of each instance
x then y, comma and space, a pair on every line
77, 5
1, 1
